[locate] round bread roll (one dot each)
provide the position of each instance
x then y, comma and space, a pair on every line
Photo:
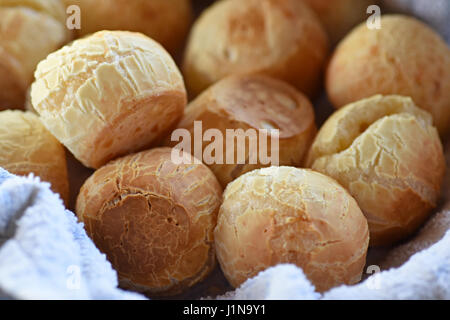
340, 16
109, 94
27, 147
251, 102
153, 219
404, 57
283, 39
288, 215
53, 8
388, 155
166, 21
29, 31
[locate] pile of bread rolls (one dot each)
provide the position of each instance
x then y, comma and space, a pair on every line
370, 175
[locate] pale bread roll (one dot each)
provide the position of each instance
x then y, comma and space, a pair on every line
288, 215
53, 8
27, 147
153, 219
386, 152
109, 94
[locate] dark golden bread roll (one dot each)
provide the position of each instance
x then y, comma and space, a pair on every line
251, 102
153, 219
165, 21
283, 39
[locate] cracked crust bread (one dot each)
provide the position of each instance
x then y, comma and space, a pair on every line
29, 31
154, 219
280, 38
386, 152
27, 147
340, 16
253, 102
288, 215
108, 95
165, 21
404, 57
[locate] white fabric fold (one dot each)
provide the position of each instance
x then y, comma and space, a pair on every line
44, 252
426, 275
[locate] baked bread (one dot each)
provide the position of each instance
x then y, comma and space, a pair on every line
166, 21
404, 57
29, 31
386, 152
251, 102
108, 95
288, 215
153, 219
283, 39
27, 147
340, 16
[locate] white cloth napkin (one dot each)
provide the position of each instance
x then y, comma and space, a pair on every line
425, 276
44, 252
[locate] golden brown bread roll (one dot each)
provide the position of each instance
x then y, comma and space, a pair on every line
153, 219
388, 155
282, 38
108, 95
252, 102
340, 16
288, 215
29, 31
27, 147
166, 21
404, 57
